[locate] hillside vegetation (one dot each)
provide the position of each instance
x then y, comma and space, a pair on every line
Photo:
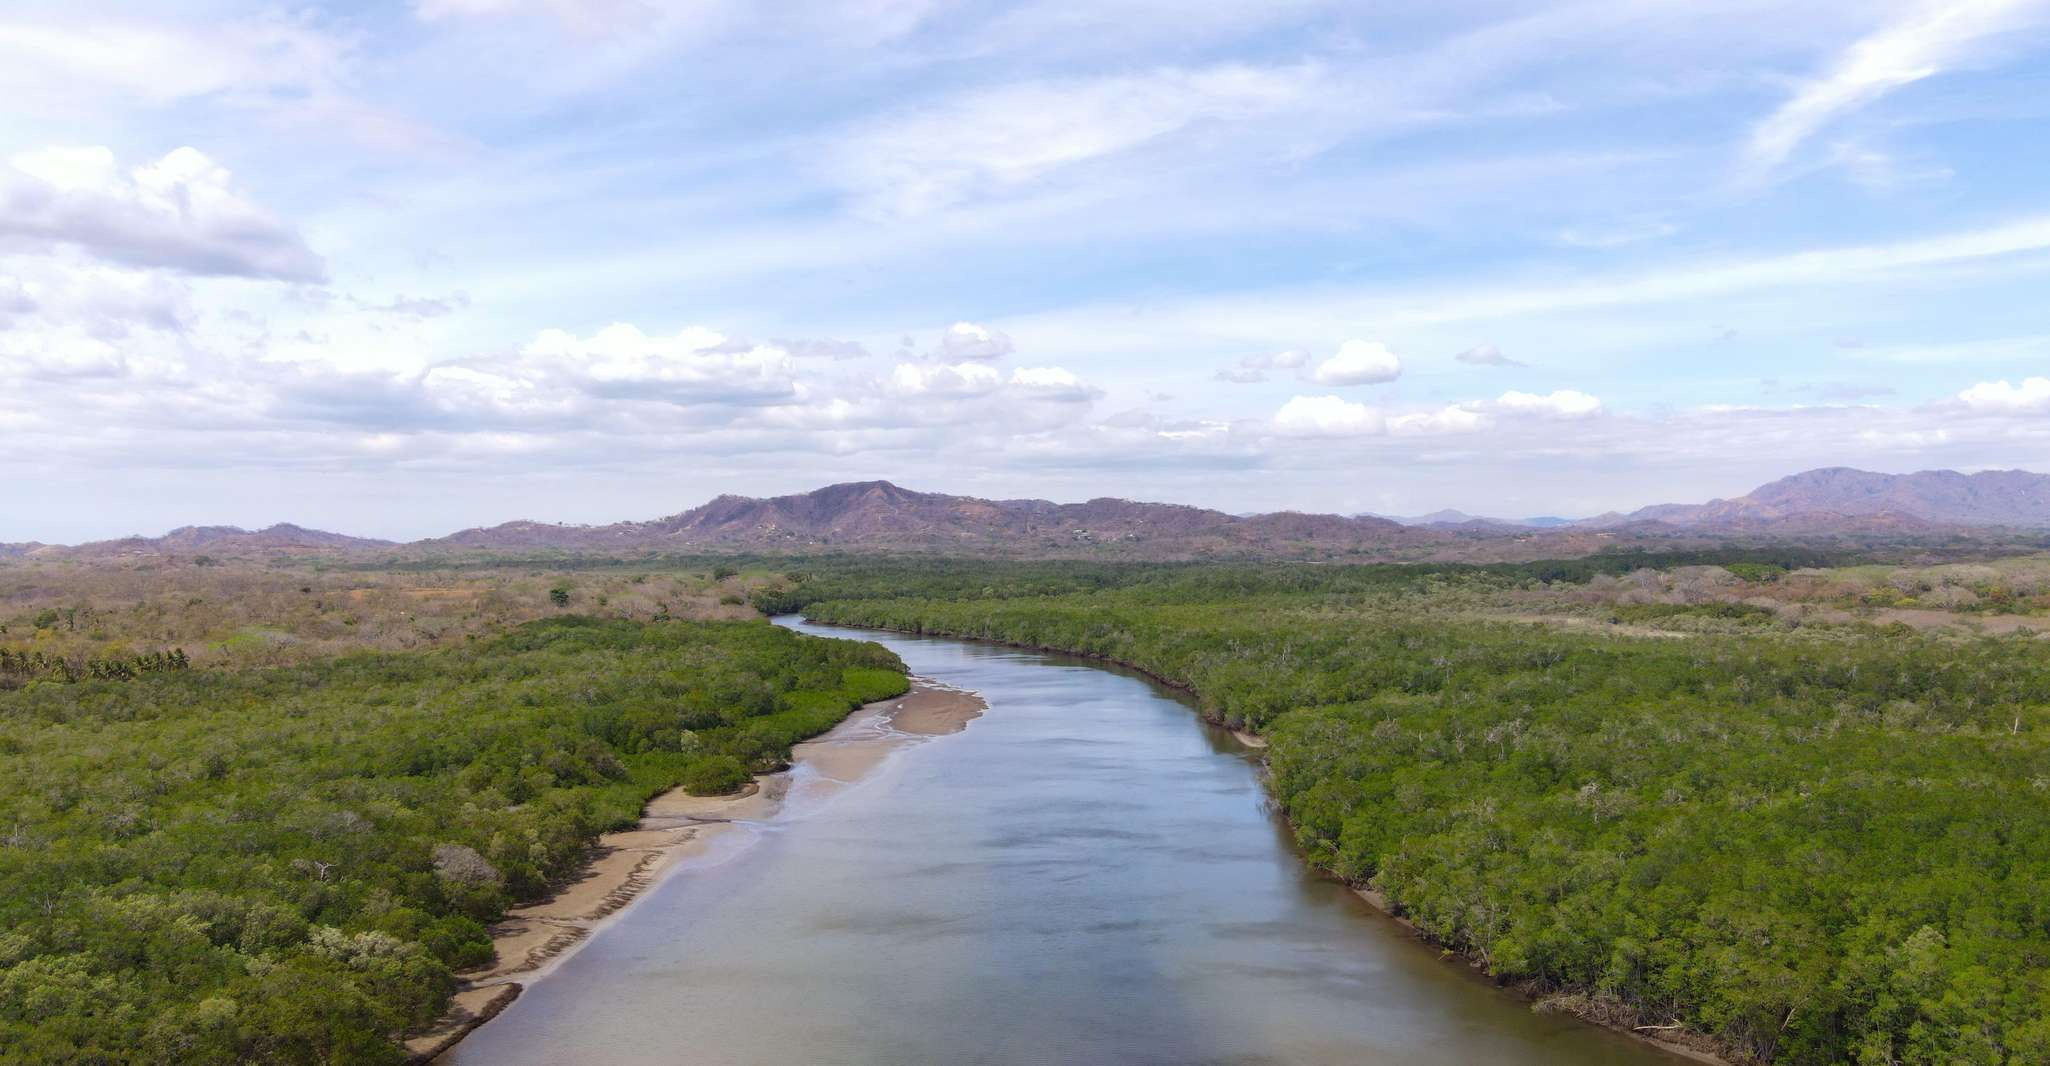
285, 865
1808, 843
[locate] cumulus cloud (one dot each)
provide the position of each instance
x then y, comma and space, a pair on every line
1560, 403
1332, 416
1451, 418
693, 365
967, 340
105, 302
617, 378
1326, 416
2032, 396
181, 212
956, 379
1051, 383
826, 348
1359, 363
1486, 355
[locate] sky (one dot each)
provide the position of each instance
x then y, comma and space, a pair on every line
399, 268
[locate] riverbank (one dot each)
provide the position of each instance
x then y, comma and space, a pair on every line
675, 829
1697, 1047
1693, 1046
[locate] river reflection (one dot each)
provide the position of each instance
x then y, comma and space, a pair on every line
1088, 874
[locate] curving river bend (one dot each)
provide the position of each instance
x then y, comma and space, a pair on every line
1087, 874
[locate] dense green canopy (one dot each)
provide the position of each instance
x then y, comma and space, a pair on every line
1818, 845
285, 865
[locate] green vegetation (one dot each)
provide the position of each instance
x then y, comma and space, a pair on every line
1813, 843
17, 668
872, 577
285, 865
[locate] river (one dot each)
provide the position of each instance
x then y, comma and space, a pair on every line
1088, 874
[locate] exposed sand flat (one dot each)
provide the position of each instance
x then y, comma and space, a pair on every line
932, 710
753, 802
675, 829
1251, 740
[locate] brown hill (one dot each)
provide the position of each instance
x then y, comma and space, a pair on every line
222, 540
1842, 500
877, 515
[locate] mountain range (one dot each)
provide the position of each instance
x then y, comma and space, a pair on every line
874, 515
880, 516
1839, 498
1453, 519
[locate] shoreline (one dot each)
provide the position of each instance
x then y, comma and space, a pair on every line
1710, 1053
675, 830
1538, 1001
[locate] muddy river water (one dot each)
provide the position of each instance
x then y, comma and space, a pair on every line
1087, 874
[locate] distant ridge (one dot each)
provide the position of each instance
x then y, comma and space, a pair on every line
230, 540
881, 516
1843, 499
1452, 519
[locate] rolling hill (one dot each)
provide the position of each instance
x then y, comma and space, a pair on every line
1842, 499
881, 516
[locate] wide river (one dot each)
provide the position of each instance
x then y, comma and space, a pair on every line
1088, 874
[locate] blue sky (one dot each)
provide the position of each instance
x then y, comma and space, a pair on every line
399, 268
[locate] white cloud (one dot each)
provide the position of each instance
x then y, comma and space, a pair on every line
994, 141
824, 348
1050, 382
2032, 396
1937, 35
957, 379
1326, 416
181, 212
1451, 418
295, 70
53, 64
1359, 363
1486, 355
1560, 403
694, 365
1253, 368
967, 340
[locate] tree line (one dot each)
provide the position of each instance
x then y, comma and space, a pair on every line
288, 865
1823, 845
20, 667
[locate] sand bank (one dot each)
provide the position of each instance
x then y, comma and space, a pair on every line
677, 829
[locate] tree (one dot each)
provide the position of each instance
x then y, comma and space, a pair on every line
559, 595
